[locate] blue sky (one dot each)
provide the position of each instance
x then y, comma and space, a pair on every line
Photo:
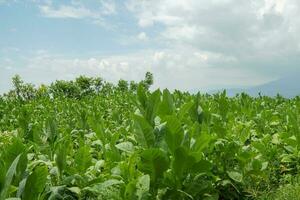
191, 44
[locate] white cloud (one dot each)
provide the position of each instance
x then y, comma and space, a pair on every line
142, 36
67, 12
78, 10
108, 7
258, 34
180, 69
198, 44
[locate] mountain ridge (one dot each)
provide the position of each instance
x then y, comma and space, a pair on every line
287, 86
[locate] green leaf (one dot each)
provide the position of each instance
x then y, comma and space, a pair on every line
201, 142
61, 158
256, 165
125, 146
143, 132
75, 190
22, 165
212, 197
141, 94
130, 190
182, 163
2, 174
236, 176
83, 159
9, 177
21, 187
275, 139
97, 125
154, 162
152, 106
35, 183
100, 187
203, 166
13, 150
166, 107
143, 187
51, 129
264, 165
185, 109
110, 183
196, 112
179, 163
174, 133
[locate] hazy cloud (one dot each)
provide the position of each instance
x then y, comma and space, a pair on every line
172, 68
78, 10
190, 44
260, 33
142, 36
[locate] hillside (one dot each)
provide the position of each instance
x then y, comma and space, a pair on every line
287, 87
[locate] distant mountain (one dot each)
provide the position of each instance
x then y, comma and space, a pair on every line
288, 87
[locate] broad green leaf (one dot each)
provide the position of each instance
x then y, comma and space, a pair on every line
275, 139
97, 125
185, 109
154, 162
142, 97
152, 106
21, 187
22, 165
125, 146
182, 163
166, 107
212, 197
2, 174
143, 132
202, 166
256, 165
100, 187
35, 183
13, 150
51, 130
174, 133
9, 177
143, 187
236, 176
264, 165
61, 158
83, 159
130, 190
196, 112
202, 141
75, 190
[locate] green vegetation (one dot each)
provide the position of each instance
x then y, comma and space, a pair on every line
90, 139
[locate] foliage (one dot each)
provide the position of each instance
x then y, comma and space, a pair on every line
90, 139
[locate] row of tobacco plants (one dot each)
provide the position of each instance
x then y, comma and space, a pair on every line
89, 139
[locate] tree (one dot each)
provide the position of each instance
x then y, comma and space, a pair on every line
64, 88
85, 85
148, 81
133, 86
23, 91
17, 84
98, 83
123, 85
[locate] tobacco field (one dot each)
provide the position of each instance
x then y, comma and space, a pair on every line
90, 139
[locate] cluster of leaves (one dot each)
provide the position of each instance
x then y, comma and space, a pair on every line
100, 141
81, 87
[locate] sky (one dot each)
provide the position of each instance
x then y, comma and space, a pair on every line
186, 44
